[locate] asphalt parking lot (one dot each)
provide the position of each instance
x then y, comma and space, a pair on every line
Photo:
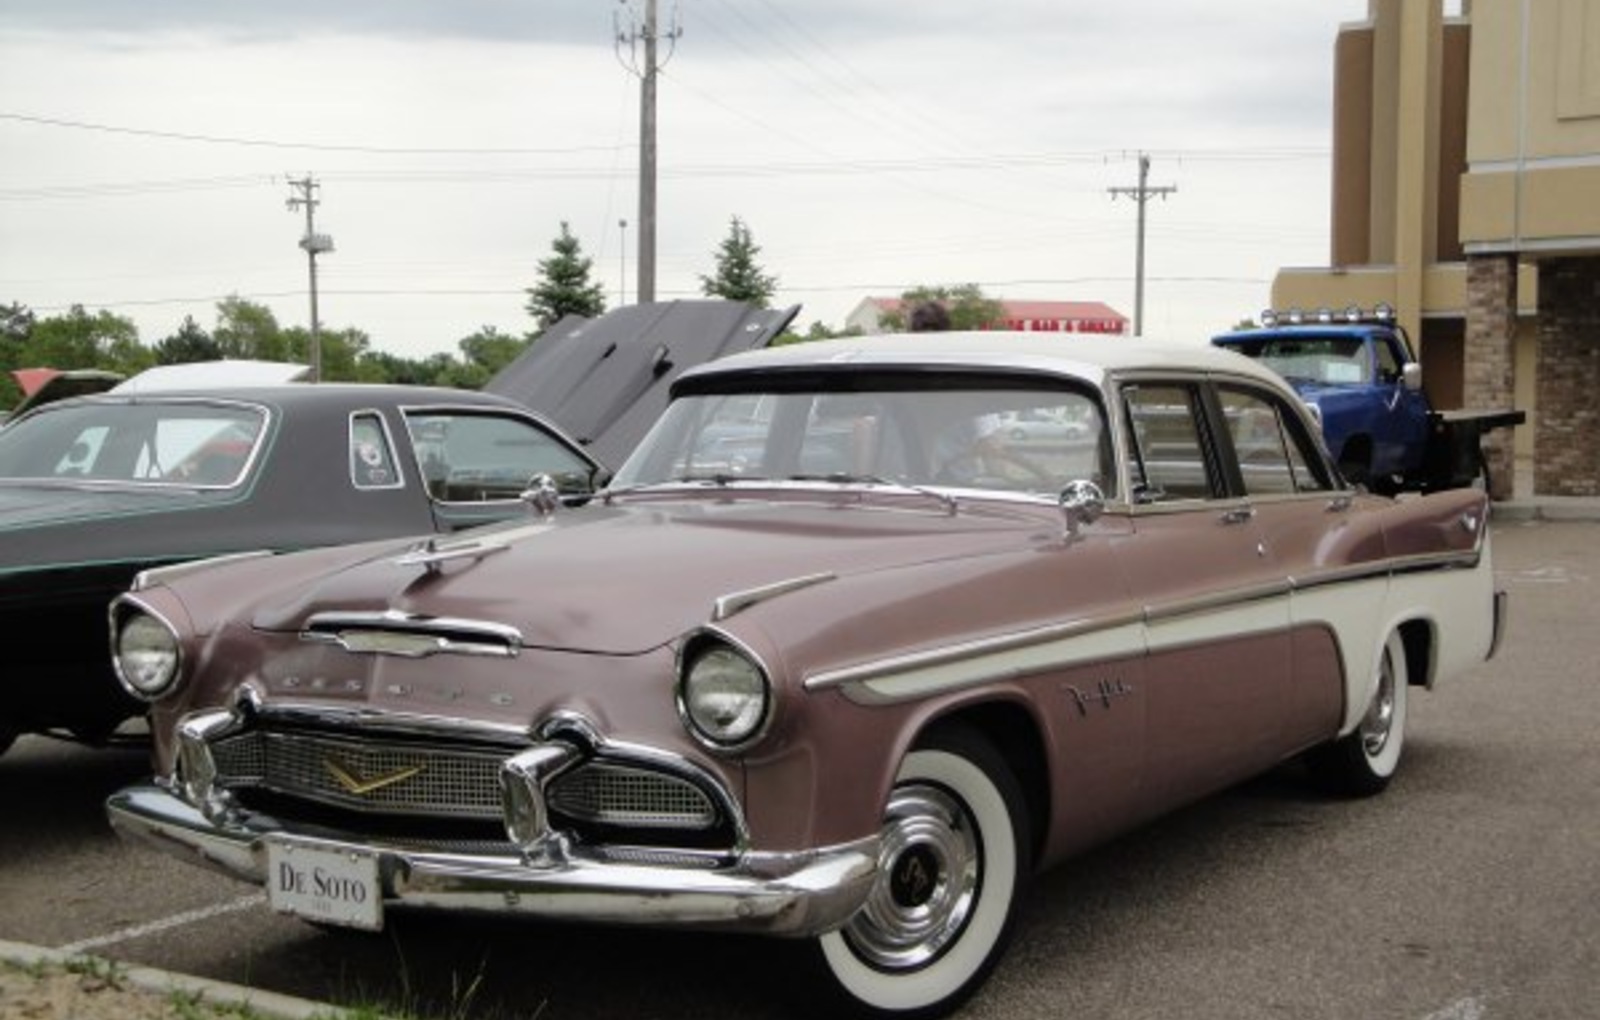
1469, 891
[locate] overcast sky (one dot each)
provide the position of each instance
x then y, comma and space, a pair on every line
869, 147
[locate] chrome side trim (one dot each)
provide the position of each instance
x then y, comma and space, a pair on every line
799, 894
1209, 603
733, 602
1020, 640
161, 575
874, 681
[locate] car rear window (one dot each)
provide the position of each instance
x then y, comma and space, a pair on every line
164, 443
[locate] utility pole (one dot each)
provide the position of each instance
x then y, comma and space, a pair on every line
314, 244
1141, 194
646, 36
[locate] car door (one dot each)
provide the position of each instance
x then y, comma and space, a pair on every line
1302, 518
1215, 598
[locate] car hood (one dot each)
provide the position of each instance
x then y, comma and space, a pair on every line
624, 580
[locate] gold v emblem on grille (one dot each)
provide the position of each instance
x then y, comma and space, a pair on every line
360, 786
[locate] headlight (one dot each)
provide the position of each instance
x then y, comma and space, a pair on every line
723, 695
146, 655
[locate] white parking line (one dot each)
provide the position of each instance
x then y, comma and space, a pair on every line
1471, 1008
175, 921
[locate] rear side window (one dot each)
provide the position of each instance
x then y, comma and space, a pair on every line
470, 457
1167, 444
1272, 453
189, 443
372, 461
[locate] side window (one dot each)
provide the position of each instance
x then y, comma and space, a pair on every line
1272, 456
1166, 444
1258, 443
1388, 363
469, 457
372, 462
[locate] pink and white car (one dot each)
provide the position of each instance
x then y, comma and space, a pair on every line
849, 670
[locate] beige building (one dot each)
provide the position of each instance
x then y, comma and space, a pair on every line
1466, 193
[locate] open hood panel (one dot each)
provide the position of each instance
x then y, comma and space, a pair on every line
604, 381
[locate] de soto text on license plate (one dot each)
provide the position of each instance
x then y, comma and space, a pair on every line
333, 886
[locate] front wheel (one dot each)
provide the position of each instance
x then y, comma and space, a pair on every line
1362, 762
954, 854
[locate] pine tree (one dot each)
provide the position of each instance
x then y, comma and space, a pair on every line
564, 286
738, 278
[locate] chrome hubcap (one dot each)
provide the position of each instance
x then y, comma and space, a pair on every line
1377, 724
927, 884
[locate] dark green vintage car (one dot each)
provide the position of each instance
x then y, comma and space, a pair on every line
95, 489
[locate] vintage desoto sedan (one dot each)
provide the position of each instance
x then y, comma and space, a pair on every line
833, 657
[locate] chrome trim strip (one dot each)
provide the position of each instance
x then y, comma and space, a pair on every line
1200, 604
881, 669
375, 720
968, 649
800, 894
162, 575
733, 602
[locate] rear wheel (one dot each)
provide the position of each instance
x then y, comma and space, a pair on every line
954, 854
1362, 762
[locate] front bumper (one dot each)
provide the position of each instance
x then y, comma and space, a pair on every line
793, 894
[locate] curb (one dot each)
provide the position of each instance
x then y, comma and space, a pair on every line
1554, 509
269, 1005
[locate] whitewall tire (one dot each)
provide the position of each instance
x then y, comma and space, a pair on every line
1363, 761
954, 854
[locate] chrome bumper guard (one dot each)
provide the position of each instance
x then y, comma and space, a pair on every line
798, 894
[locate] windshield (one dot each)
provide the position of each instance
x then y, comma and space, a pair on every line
179, 443
1337, 361
958, 433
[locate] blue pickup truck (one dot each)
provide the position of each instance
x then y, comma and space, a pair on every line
1362, 381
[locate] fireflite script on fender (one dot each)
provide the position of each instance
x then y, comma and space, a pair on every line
1101, 694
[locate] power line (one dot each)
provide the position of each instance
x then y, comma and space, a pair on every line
270, 143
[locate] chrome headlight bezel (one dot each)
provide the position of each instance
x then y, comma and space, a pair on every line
724, 692
146, 653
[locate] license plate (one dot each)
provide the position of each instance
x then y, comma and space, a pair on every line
333, 886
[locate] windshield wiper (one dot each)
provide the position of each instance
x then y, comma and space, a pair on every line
721, 479
845, 478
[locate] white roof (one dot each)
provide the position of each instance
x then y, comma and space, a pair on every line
212, 374
1085, 357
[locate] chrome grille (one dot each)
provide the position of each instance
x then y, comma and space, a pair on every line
612, 794
368, 776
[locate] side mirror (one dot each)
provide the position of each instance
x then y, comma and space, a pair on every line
1081, 503
1411, 376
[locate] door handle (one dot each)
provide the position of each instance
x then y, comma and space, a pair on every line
1238, 515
